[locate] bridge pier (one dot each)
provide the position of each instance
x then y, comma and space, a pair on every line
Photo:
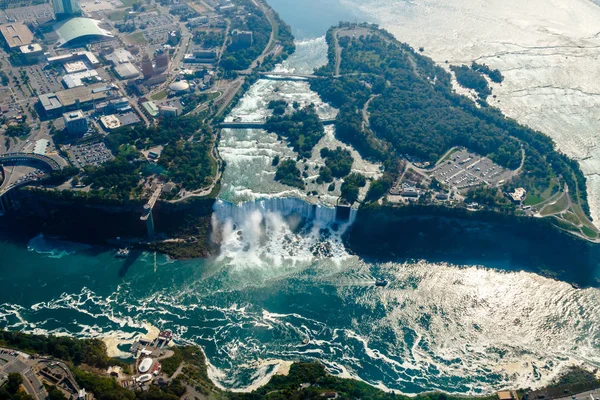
149, 218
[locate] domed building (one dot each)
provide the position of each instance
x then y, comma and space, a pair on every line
179, 87
77, 32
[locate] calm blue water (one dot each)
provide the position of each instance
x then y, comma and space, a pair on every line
436, 326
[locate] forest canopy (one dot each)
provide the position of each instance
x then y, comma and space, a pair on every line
415, 112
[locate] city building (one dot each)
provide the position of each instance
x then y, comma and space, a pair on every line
119, 56
177, 8
179, 87
147, 68
110, 122
32, 51
127, 70
66, 8
75, 122
202, 56
508, 395
168, 111
174, 37
518, 195
151, 108
79, 98
77, 79
16, 34
78, 32
197, 21
161, 63
76, 66
85, 56
155, 80
241, 38
227, 8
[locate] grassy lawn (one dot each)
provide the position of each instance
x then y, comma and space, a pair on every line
589, 232
129, 3
212, 96
117, 15
565, 225
160, 95
558, 206
533, 199
137, 38
572, 218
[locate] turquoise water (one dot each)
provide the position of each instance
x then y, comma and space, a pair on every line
284, 277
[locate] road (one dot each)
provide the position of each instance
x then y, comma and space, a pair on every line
269, 47
338, 53
589, 395
23, 365
365, 111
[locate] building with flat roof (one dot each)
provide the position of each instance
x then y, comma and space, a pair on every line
77, 32
151, 108
79, 78
33, 48
16, 34
32, 51
85, 56
66, 8
79, 98
202, 56
241, 38
117, 105
75, 122
110, 122
127, 70
76, 66
119, 56
168, 111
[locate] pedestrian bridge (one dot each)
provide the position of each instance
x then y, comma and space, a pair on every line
261, 125
286, 76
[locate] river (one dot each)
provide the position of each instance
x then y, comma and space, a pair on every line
285, 276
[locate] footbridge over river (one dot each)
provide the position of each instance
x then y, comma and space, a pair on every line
287, 76
262, 125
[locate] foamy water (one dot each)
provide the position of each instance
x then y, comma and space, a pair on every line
435, 326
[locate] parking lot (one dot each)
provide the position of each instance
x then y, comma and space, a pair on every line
44, 81
89, 154
9, 108
29, 13
463, 170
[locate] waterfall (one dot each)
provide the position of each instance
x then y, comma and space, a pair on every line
278, 231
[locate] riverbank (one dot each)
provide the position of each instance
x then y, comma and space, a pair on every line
185, 372
183, 228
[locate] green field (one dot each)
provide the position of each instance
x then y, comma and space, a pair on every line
117, 15
137, 38
160, 95
560, 205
